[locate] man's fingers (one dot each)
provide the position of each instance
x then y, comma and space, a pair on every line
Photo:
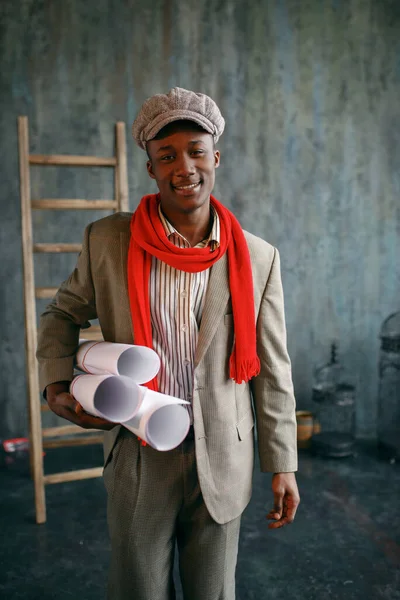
273, 514
64, 405
281, 523
66, 413
90, 422
288, 513
292, 505
83, 419
285, 519
65, 400
276, 512
78, 408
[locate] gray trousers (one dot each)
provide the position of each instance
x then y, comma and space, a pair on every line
154, 501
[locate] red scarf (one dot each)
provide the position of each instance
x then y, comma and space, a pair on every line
148, 239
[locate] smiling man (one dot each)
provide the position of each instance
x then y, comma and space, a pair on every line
180, 275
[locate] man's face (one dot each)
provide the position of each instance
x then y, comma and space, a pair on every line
183, 163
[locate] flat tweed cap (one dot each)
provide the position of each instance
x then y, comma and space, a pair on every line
179, 104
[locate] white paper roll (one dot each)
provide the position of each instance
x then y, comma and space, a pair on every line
139, 363
115, 398
162, 421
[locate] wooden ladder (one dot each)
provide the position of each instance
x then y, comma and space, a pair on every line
53, 437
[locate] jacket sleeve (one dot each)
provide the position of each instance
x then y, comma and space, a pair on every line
272, 389
70, 310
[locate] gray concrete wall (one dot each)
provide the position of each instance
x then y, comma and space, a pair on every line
310, 158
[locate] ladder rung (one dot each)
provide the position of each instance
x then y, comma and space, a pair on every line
57, 248
73, 475
65, 430
71, 160
45, 292
67, 204
74, 441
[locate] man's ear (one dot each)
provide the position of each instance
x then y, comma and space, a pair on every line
217, 158
150, 169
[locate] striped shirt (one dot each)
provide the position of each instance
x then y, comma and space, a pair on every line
176, 307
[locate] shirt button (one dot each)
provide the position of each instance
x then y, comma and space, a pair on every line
186, 362
184, 327
184, 294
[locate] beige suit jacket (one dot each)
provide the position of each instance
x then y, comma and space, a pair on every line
223, 410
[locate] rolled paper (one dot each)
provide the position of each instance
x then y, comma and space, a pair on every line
139, 363
115, 398
162, 421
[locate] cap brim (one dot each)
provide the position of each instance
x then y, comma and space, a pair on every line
164, 119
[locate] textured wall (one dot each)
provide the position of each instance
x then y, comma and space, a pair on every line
310, 157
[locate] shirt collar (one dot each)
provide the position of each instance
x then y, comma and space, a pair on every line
213, 239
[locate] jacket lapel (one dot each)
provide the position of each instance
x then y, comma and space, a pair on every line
123, 277
215, 306
124, 238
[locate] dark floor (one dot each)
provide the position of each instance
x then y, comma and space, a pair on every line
344, 544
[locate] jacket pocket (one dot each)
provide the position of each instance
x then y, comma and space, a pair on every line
245, 425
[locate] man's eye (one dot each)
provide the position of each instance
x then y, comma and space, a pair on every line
196, 152
168, 157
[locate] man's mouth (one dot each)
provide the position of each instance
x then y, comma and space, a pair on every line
190, 186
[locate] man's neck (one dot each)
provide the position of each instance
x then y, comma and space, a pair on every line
194, 227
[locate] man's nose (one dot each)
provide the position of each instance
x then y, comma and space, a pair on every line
184, 166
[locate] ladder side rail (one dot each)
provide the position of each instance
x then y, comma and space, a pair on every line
35, 426
121, 171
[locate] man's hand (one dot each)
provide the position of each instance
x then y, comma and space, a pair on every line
286, 500
64, 405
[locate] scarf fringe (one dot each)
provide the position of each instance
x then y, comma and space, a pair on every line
245, 370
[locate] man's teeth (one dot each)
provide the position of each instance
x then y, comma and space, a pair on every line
187, 187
